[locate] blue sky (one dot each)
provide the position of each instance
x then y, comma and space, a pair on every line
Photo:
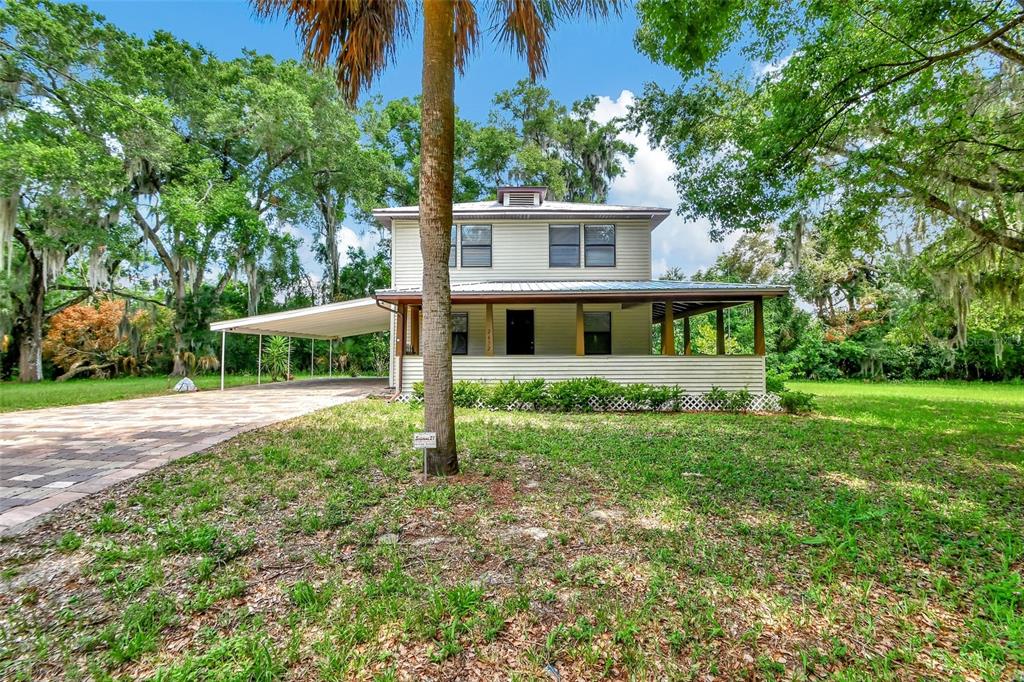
585, 58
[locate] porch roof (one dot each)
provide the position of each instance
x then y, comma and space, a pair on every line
687, 298
331, 321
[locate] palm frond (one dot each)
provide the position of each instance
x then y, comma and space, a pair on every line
467, 32
359, 36
524, 24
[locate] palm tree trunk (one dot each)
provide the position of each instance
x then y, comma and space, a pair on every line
437, 146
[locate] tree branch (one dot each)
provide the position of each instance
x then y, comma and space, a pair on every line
986, 233
122, 294
154, 239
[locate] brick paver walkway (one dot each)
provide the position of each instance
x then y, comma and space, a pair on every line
54, 456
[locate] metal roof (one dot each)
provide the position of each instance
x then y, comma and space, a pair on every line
652, 287
330, 321
558, 210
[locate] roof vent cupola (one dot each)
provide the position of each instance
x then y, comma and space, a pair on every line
522, 196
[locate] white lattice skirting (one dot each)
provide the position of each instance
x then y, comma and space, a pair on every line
691, 402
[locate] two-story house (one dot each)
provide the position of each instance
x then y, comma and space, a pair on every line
548, 289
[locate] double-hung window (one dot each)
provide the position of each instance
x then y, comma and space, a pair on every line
476, 246
460, 333
599, 246
564, 246
597, 333
452, 251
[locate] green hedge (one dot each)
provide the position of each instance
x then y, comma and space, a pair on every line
578, 395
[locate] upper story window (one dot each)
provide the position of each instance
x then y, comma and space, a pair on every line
453, 250
564, 246
460, 333
599, 246
476, 246
597, 333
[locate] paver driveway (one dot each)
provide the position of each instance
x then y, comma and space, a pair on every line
58, 455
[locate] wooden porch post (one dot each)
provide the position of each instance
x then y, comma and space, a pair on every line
687, 347
580, 347
414, 331
489, 330
668, 332
720, 331
400, 331
759, 326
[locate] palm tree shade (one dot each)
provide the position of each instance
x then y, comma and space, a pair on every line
359, 38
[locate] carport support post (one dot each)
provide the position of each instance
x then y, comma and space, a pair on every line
330, 358
312, 361
288, 370
223, 338
259, 362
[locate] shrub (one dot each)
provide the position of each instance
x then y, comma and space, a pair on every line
574, 395
653, 397
738, 400
417, 390
276, 358
775, 382
506, 393
469, 393
717, 397
795, 402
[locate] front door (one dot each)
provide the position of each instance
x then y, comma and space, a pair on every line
519, 332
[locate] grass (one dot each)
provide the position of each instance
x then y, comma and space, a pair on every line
17, 396
880, 538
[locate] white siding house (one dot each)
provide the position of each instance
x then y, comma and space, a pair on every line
542, 288
561, 290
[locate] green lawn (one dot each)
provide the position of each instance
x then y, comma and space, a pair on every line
18, 396
878, 539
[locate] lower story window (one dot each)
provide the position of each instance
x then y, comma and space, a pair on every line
460, 333
597, 333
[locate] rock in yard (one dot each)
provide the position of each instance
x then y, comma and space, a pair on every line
532, 532
185, 386
607, 515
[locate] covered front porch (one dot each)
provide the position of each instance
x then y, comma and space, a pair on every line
627, 332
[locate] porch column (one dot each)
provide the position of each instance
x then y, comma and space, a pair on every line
668, 331
580, 346
759, 326
489, 329
400, 331
687, 347
414, 330
720, 331
259, 362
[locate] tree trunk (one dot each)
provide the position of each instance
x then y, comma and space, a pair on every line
437, 144
329, 215
30, 354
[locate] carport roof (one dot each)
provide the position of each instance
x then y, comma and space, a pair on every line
330, 321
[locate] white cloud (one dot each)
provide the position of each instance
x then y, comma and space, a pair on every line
648, 182
771, 70
349, 238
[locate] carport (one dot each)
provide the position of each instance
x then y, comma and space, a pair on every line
330, 322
